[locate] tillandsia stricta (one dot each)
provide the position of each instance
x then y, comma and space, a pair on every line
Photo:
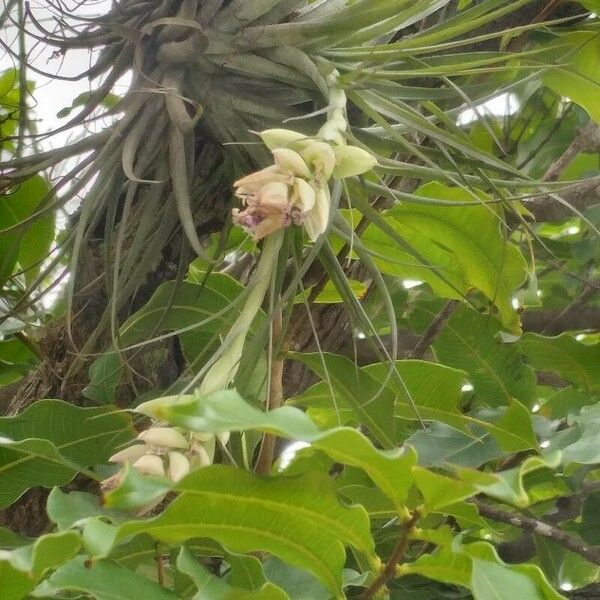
294, 190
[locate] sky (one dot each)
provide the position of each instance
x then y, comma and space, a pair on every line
51, 95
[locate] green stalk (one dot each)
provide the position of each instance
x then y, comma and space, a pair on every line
225, 368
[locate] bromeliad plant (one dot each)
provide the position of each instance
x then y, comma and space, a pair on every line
379, 271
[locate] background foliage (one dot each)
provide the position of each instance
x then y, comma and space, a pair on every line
434, 356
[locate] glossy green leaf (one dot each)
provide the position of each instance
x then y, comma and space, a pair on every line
495, 369
372, 404
576, 362
463, 242
227, 411
508, 485
575, 75
51, 440
590, 519
579, 443
30, 247
298, 519
440, 491
21, 568
200, 310
439, 445
211, 587
491, 578
103, 580
66, 509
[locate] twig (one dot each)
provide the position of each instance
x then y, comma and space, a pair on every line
577, 545
572, 308
588, 139
160, 565
396, 556
22, 82
267, 447
434, 330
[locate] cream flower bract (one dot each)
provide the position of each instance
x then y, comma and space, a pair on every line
295, 189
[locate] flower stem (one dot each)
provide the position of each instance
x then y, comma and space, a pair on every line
224, 369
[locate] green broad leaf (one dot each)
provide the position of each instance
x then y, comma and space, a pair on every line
492, 576
514, 430
436, 392
440, 444
372, 403
227, 411
434, 389
199, 312
10, 540
28, 247
493, 581
21, 568
141, 550
462, 242
16, 360
211, 587
14, 583
298, 584
589, 529
478, 567
246, 571
67, 509
578, 363
579, 443
509, 485
98, 536
440, 491
51, 440
442, 565
566, 402
103, 580
47, 552
372, 499
299, 519
577, 572
496, 371
575, 75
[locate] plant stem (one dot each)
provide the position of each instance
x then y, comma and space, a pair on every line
397, 554
559, 536
267, 447
434, 330
224, 369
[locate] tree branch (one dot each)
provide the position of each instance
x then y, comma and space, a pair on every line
565, 539
434, 329
587, 140
579, 195
398, 552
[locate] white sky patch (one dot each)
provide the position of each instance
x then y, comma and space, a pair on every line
573, 229
411, 283
504, 104
51, 95
535, 407
467, 387
566, 586
545, 444
288, 454
516, 303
